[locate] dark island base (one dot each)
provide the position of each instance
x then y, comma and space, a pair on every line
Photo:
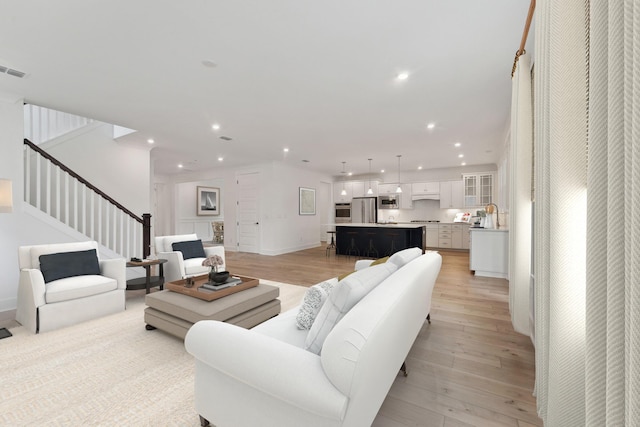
377, 242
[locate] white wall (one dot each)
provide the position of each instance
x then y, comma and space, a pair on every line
121, 170
282, 229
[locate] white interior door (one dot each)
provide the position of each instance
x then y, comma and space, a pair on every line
249, 212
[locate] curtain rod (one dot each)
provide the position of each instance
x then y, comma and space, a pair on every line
525, 33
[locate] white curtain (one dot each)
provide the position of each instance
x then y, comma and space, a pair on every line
520, 195
587, 223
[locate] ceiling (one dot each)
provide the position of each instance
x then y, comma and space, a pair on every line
316, 77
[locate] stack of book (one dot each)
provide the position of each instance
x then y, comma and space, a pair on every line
231, 281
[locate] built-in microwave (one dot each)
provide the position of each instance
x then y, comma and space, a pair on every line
343, 212
391, 201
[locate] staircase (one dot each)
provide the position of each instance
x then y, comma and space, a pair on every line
60, 193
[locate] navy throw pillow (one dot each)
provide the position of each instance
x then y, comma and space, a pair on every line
69, 264
190, 249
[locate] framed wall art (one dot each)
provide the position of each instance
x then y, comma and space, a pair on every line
208, 200
307, 199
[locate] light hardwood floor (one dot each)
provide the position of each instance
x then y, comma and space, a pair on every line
467, 368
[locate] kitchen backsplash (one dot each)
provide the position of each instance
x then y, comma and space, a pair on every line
427, 210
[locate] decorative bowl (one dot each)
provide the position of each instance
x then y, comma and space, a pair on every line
219, 276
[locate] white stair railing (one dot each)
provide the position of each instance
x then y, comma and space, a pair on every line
56, 190
43, 124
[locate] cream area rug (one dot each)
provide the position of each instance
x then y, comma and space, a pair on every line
106, 372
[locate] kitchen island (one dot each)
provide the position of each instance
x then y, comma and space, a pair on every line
378, 240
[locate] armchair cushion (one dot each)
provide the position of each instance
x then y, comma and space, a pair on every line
190, 249
78, 287
69, 264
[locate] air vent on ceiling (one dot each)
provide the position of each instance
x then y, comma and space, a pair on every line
226, 138
305, 161
11, 72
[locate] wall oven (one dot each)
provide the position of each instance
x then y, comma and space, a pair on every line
343, 212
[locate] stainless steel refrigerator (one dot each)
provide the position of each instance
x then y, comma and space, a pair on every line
364, 210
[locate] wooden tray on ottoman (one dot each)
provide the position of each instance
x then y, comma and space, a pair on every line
206, 294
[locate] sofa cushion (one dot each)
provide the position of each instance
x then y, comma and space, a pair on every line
342, 298
194, 267
190, 249
313, 300
405, 256
69, 264
78, 287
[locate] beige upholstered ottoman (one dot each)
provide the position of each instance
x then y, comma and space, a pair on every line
174, 312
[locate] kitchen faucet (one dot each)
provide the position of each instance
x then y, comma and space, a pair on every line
497, 213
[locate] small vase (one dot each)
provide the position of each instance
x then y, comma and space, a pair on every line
218, 276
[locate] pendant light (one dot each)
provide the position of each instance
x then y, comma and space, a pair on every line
344, 191
399, 189
370, 191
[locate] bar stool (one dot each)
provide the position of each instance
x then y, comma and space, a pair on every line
333, 243
371, 250
393, 235
353, 248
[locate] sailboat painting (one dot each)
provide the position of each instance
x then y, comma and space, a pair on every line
208, 201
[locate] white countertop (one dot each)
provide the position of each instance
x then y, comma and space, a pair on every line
501, 229
409, 225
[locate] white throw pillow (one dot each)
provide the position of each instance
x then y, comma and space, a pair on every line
313, 300
342, 298
404, 256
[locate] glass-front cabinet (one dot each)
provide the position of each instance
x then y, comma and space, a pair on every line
478, 189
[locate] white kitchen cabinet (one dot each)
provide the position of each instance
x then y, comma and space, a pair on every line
425, 188
357, 189
353, 189
452, 195
374, 189
478, 189
387, 188
444, 236
337, 192
489, 252
466, 236
432, 235
456, 236
405, 197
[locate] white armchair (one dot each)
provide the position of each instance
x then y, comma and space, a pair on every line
67, 300
177, 267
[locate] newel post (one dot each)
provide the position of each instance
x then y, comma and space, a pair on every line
146, 235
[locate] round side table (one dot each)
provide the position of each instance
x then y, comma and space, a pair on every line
148, 281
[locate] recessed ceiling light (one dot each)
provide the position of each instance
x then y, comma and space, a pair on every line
402, 76
350, 173
381, 170
208, 63
150, 141
463, 164
286, 150
215, 126
457, 144
220, 158
180, 165
419, 168
431, 125
460, 156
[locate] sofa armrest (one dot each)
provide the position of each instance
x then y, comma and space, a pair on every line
31, 290
174, 268
115, 269
277, 369
363, 263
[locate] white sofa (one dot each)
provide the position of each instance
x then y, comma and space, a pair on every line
46, 306
177, 267
265, 377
